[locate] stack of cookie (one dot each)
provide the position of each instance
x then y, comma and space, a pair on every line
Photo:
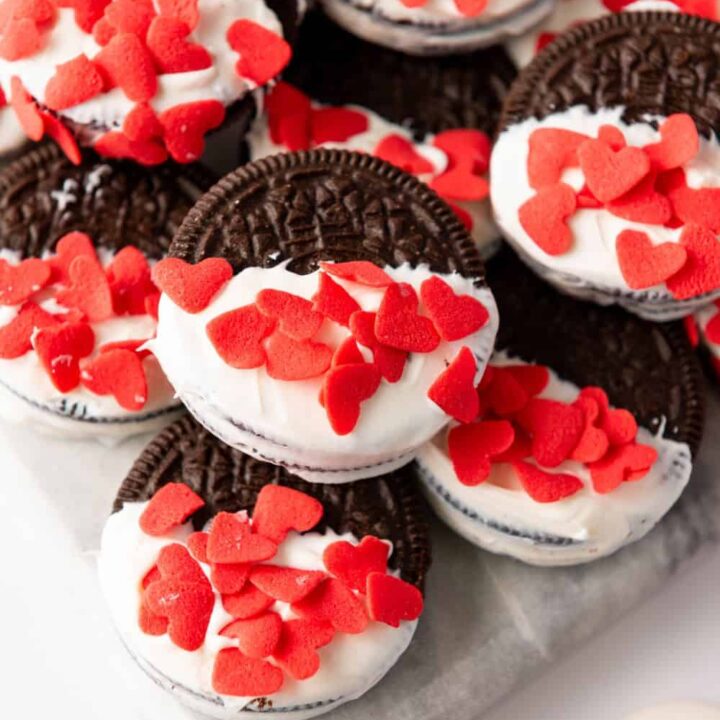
316, 335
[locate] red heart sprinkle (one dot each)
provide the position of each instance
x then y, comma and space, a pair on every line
643, 204
454, 389
130, 282
392, 600
460, 183
472, 447
644, 264
197, 543
401, 153
533, 378
192, 287
465, 146
19, 282
60, 348
20, 39
237, 336
712, 331
353, 563
73, 83
701, 272
26, 110
551, 150
333, 602
169, 507
263, 53
620, 426
289, 116
678, 145
610, 174
228, 578
129, 16
612, 137
294, 314
67, 249
333, 301
347, 353
291, 360
359, 271
345, 388
336, 124
544, 487
117, 145
16, 336
175, 563
503, 394
257, 637
185, 10
237, 674
131, 345
284, 583
298, 641
279, 509
624, 463
389, 361
151, 576
87, 12
454, 316
103, 32
41, 12
88, 289
544, 215
149, 622
126, 63
693, 333
185, 126
141, 123
231, 541
398, 325
62, 137
593, 443
700, 206
247, 603
119, 373
555, 428
470, 8
166, 40
519, 450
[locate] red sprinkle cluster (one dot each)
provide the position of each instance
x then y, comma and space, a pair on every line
711, 334
277, 331
138, 45
177, 598
296, 125
641, 184
64, 342
513, 425
468, 8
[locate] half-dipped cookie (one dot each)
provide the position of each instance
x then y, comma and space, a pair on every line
310, 306
587, 423
77, 302
245, 591
437, 27
432, 117
139, 79
605, 175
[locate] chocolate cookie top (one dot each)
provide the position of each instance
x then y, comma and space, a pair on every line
652, 63
428, 94
388, 507
325, 205
43, 196
648, 368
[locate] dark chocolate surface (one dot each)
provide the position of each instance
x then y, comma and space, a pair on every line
325, 205
388, 506
647, 368
655, 63
43, 197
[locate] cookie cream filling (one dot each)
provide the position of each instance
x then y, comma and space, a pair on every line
219, 82
500, 516
482, 229
284, 421
590, 266
349, 666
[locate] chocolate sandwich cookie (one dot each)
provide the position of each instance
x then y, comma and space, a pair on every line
243, 590
604, 173
582, 431
310, 304
437, 27
432, 117
77, 302
144, 79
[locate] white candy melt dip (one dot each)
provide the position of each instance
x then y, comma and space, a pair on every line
590, 268
349, 666
12, 136
483, 231
678, 711
500, 516
283, 421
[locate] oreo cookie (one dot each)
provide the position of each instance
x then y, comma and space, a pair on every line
603, 170
436, 27
432, 117
288, 597
76, 296
322, 295
588, 423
